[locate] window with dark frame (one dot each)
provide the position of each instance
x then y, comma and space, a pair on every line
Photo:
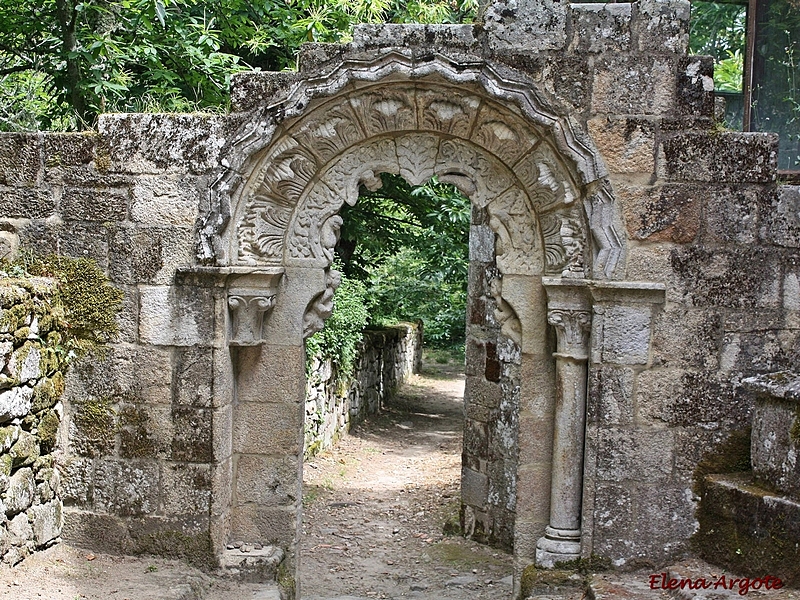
756, 49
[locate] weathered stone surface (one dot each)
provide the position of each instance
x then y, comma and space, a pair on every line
191, 440
625, 334
186, 488
24, 363
150, 143
627, 145
781, 224
746, 278
25, 452
633, 86
527, 24
775, 437
600, 27
20, 159
175, 317
662, 25
727, 157
20, 492
644, 454
46, 520
15, 403
267, 480
95, 204
610, 399
253, 89
126, 488
696, 86
162, 201
26, 203
670, 213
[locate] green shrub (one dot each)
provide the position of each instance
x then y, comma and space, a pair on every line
343, 331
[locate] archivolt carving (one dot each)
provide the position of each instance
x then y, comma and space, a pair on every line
563, 244
504, 314
321, 307
451, 112
289, 212
387, 111
511, 218
329, 131
416, 155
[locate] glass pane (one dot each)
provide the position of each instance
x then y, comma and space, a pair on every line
718, 29
776, 76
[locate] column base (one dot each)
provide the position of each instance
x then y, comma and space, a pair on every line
558, 546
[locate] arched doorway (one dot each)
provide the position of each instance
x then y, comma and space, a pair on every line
548, 228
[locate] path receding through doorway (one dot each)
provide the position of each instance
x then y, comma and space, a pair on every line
378, 505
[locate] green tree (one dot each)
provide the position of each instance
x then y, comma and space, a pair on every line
410, 246
63, 62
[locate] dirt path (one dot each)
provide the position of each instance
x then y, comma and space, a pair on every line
376, 506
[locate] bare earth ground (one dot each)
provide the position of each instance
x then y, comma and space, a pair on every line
375, 506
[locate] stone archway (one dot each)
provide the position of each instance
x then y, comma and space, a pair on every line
551, 226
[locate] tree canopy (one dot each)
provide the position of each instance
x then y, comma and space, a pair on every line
63, 62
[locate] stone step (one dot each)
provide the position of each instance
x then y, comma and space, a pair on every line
248, 564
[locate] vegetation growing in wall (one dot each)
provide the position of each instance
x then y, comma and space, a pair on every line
51, 310
85, 303
339, 340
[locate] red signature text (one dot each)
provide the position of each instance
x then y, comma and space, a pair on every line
662, 581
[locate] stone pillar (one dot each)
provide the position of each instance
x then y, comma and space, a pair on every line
569, 312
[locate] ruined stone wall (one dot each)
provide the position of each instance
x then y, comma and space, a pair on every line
491, 398
31, 383
138, 459
386, 359
688, 206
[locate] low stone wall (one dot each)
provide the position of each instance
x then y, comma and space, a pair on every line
31, 381
386, 358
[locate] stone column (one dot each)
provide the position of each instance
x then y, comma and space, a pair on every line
569, 312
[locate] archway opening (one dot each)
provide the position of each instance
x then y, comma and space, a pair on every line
393, 483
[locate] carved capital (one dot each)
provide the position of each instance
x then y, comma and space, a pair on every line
251, 296
572, 330
569, 311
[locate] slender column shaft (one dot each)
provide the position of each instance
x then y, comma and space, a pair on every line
568, 313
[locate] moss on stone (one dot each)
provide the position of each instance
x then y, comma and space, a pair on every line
95, 419
286, 581
5, 464
48, 431
194, 549
136, 440
47, 392
549, 581
15, 317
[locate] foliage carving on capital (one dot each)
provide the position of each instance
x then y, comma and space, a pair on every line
321, 306
572, 331
248, 310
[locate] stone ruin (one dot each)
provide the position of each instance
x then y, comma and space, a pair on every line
631, 266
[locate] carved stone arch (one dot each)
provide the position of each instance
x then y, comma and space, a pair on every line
551, 226
273, 161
